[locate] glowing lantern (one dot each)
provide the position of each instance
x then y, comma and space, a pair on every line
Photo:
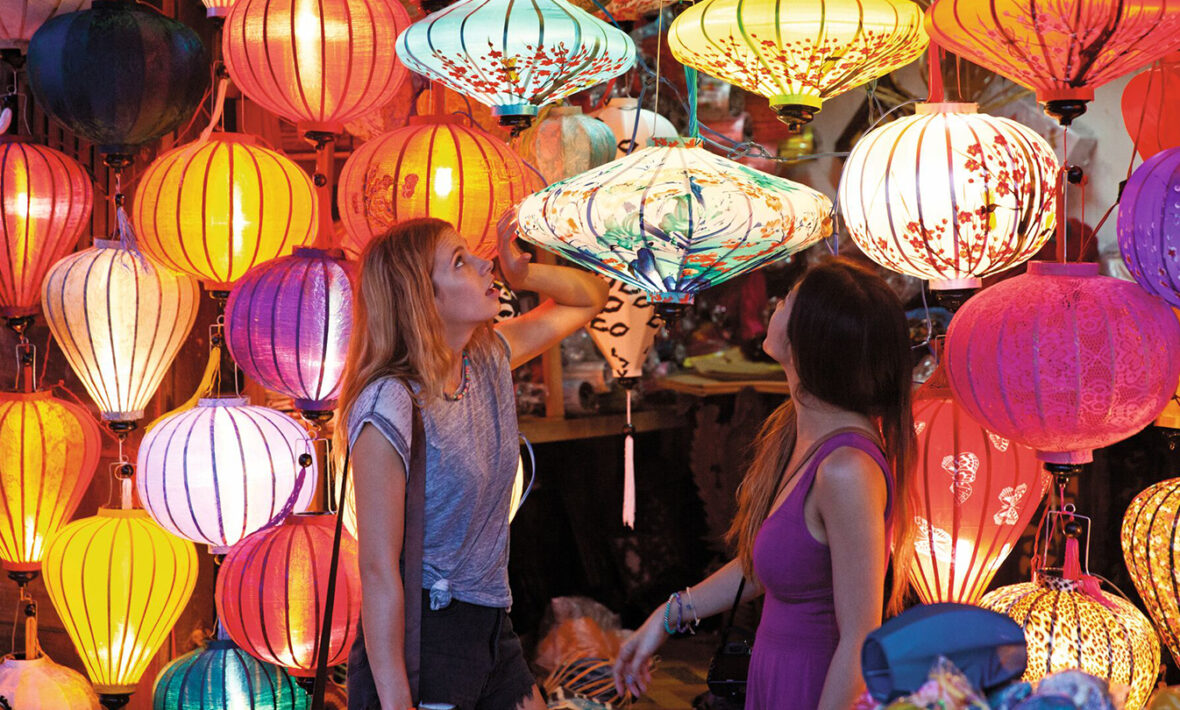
119, 583
567, 142
45, 201
48, 452
215, 209
273, 586
19, 19
950, 195
634, 128
435, 167
798, 53
1148, 230
1062, 49
515, 57
1063, 360
1150, 533
41, 683
319, 64
221, 676
674, 219
120, 320
217, 8
1147, 100
625, 330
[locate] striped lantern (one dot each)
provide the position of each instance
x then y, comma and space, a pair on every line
221, 676
1150, 536
42, 684
217, 472
19, 19
634, 128
567, 142
120, 319
288, 323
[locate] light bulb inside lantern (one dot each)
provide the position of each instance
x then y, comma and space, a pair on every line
442, 183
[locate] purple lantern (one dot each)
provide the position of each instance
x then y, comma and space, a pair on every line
1149, 225
288, 322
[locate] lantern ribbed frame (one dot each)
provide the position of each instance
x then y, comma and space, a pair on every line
435, 167
566, 142
221, 676
119, 583
19, 19
217, 472
1149, 225
1063, 360
1147, 100
318, 64
41, 683
515, 57
288, 323
633, 134
272, 589
217, 8
120, 319
625, 329
215, 209
674, 219
798, 52
1150, 534
950, 195
1066, 628
49, 451
45, 203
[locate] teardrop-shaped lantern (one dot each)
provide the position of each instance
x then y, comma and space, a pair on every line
44, 685
625, 330
221, 676
635, 128
19, 19
1150, 534
120, 319
798, 53
567, 142
1148, 227
515, 57
1148, 100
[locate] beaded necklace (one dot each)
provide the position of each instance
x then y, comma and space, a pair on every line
464, 381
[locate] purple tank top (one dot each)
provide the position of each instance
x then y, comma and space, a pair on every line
797, 635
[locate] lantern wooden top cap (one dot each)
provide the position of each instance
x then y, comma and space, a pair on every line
26, 396
1056, 268
13, 138
946, 107
223, 401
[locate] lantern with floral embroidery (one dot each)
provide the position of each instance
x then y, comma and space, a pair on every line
635, 128
1148, 231
19, 19
1147, 100
1150, 534
41, 683
567, 142
221, 676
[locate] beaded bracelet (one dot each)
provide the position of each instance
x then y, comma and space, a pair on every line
696, 620
667, 615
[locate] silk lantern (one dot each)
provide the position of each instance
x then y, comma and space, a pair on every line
119, 75
218, 8
44, 685
1062, 49
798, 53
1063, 360
950, 195
317, 64
634, 128
515, 57
1149, 535
19, 19
272, 590
215, 208
221, 676
48, 453
567, 142
45, 202
1147, 98
1149, 225
120, 319
119, 583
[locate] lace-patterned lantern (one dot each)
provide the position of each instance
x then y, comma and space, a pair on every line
41, 683
566, 142
1149, 536
1148, 226
221, 676
1147, 100
635, 128
19, 19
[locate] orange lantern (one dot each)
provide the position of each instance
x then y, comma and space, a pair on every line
1147, 101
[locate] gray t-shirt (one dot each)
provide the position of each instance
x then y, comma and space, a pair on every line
472, 447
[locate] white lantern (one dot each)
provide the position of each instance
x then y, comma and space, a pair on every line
44, 685
634, 128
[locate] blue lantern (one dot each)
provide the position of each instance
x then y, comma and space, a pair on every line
223, 676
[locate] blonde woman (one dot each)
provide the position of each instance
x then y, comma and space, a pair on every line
422, 330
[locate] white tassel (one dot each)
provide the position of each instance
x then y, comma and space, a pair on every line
125, 493
629, 471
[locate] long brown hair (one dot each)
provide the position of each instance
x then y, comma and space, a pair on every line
850, 344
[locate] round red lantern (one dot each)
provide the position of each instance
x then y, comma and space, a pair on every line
1147, 101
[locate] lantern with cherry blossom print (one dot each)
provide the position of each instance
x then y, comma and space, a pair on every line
1147, 101
1148, 227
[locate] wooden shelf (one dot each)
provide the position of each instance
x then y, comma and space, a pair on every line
699, 386
544, 430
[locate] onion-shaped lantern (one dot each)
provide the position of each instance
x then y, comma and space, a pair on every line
41, 683
1063, 360
273, 587
1062, 49
515, 57
566, 143
45, 201
633, 132
120, 319
119, 75
1150, 534
48, 453
215, 209
217, 472
119, 583
950, 195
19, 19
798, 53
221, 676
674, 219
1149, 225
1147, 101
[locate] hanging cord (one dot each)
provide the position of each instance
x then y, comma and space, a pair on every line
690, 79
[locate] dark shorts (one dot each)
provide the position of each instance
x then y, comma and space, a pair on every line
470, 658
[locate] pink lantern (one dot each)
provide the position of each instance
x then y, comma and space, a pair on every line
1063, 360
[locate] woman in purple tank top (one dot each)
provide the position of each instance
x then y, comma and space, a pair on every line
817, 509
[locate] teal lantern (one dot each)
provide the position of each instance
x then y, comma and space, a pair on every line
515, 56
221, 676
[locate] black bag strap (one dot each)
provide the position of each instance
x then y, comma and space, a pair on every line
737, 602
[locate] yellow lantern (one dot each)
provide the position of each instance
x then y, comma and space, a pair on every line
1149, 536
119, 583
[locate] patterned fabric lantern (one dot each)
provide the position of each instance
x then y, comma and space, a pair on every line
1147, 101
633, 132
288, 322
435, 167
44, 685
105, 101
798, 53
45, 201
214, 209
119, 583
674, 219
1063, 360
19, 19
1148, 230
319, 64
974, 496
950, 195
120, 319
48, 452
273, 586
1150, 533
221, 676
567, 142
515, 57
1062, 49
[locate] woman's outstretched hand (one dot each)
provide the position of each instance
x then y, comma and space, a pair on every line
514, 262
633, 667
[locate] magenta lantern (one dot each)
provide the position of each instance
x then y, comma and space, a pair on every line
1063, 360
1149, 225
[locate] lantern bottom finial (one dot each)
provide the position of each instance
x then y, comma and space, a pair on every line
114, 701
22, 577
1065, 110
306, 682
953, 299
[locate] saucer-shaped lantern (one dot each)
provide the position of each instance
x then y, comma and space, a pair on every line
19, 19
567, 142
1147, 102
634, 128
41, 683
798, 53
515, 57
1149, 225
950, 195
1061, 49
1151, 531
221, 676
